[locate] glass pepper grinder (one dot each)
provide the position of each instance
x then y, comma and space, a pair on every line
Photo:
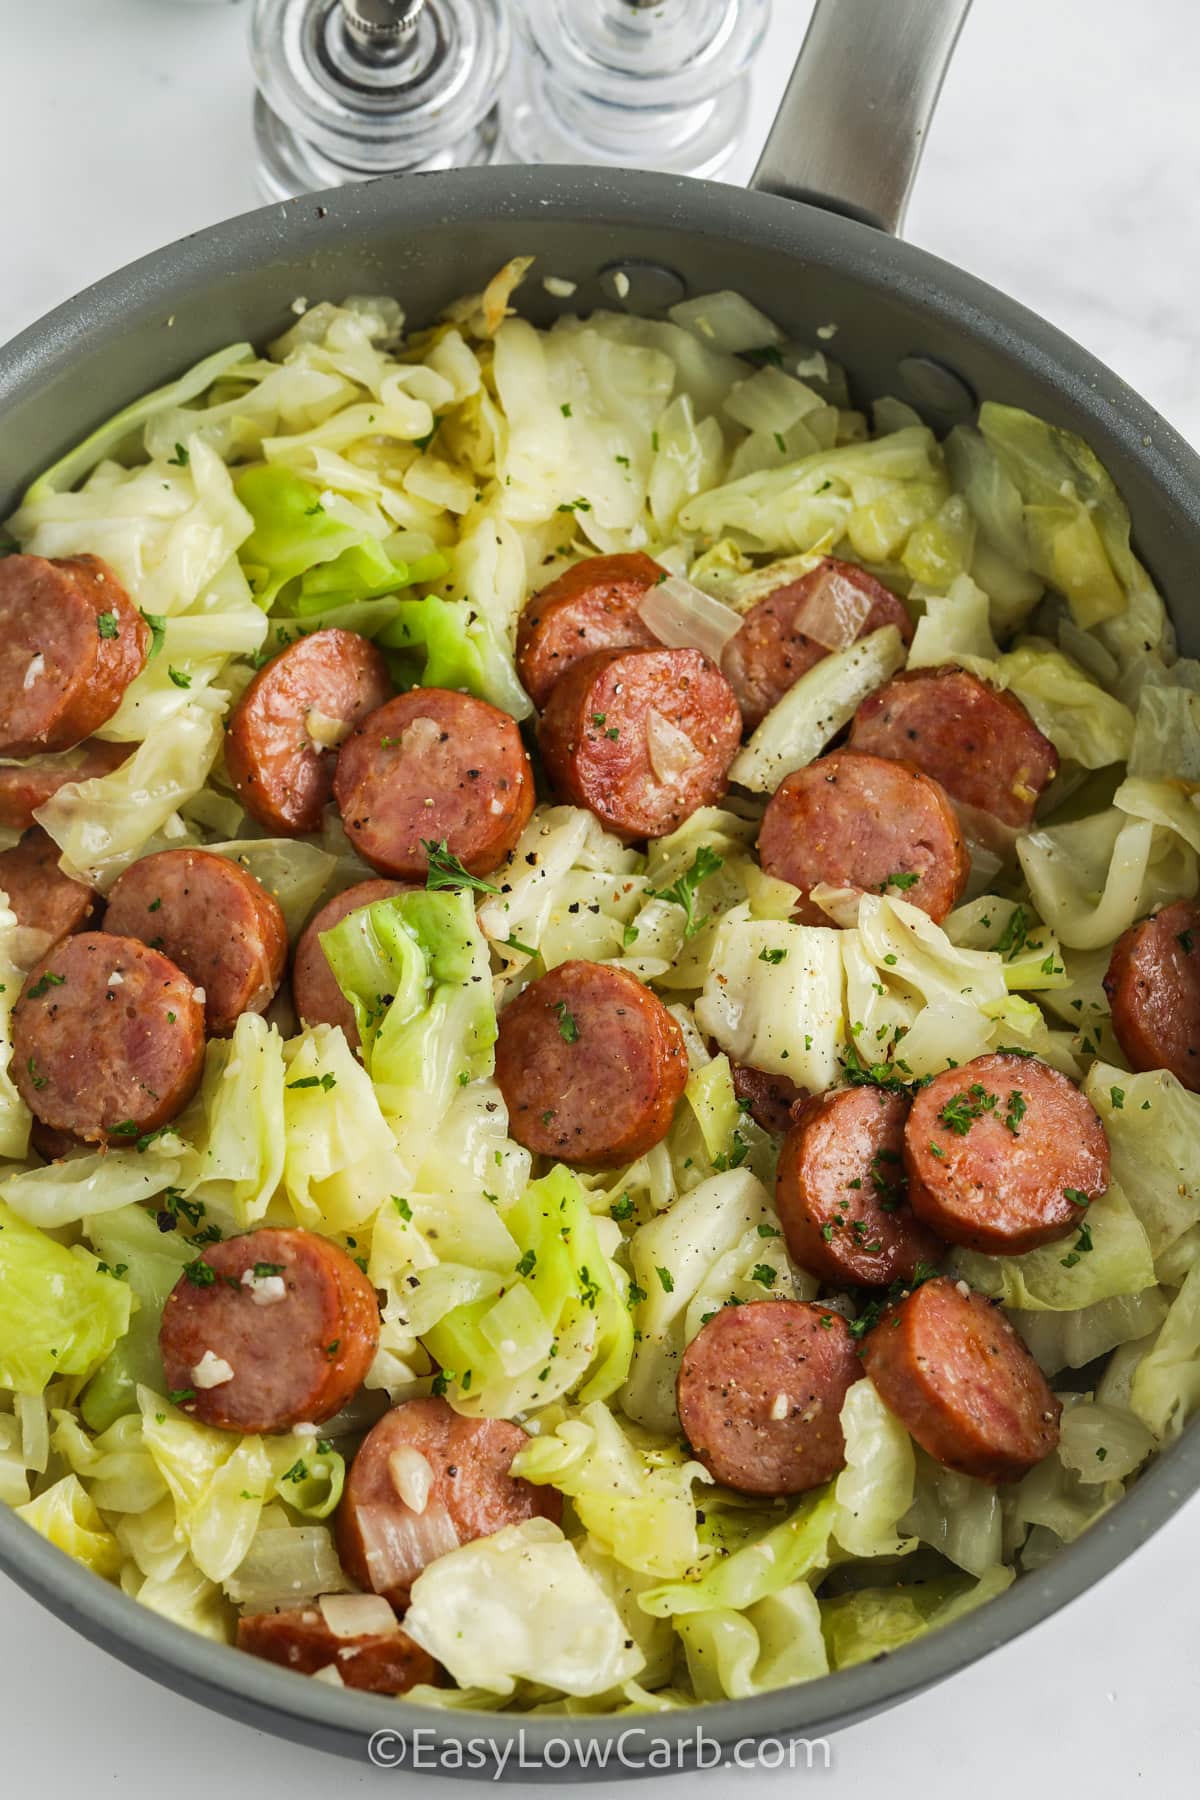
654, 84
348, 89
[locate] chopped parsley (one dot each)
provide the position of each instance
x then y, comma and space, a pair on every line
1117, 1096
666, 1279
903, 880
764, 1274
200, 1273
263, 1270
402, 1206
180, 678
1083, 1243
445, 871
1015, 1111
774, 957
683, 892
512, 943
326, 1081
961, 1112
45, 983
177, 1396
874, 1309
622, 1209
527, 1263
108, 625
181, 458
297, 1473
158, 629
565, 409
570, 506
568, 1030
1015, 936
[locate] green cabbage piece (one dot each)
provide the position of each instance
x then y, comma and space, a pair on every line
771, 1644
769, 1563
956, 1515
562, 1323
455, 647
1153, 1127
235, 1127
875, 1489
415, 969
1065, 1276
153, 1260
1165, 1390
68, 1516
873, 1621
60, 1314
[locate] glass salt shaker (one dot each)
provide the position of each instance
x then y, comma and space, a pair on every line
348, 89
657, 84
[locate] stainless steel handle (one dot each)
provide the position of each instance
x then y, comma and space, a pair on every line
851, 129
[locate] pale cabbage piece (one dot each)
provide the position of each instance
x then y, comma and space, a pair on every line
1056, 1499
773, 1643
67, 1515
235, 1128
955, 627
1166, 803
1071, 1340
766, 1564
14, 1482
815, 708
90, 1182
120, 1473
1092, 878
784, 1015
1165, 1389
187, 1597
956, 1515
632, 1494
538, 884
1103, 1443
1082, 721
872, 1621
875, 1488
688, 459
521, 1606
728, 320
1166, 737
1152, 1123
341, 1159
1119, 1262
655, 1638
295, 873
286, 1565
14, 1114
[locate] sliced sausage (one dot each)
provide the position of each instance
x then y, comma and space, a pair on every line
317, 997
769, 1099
214, 920
1003, 1154
376, 1662
952, 1369
1153, 987
71, 641
26, 786
434, 766
268, 1331
108, 1038
424, 1481
981, 744
760, 1394
52, 1145
593, 606
641, 737
591, 1065
840, 1191
858, 821
774, 647
42, 897
281, 745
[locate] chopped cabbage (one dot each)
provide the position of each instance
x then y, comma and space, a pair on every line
1152, 1124
1165, 1390
782, 1013
60, 1311
765, 1565
875, 1489
1112, 1257
771, 1644
873, 1621
70, 1518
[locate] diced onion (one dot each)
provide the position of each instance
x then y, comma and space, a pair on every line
211, 1371
671, 751
420, 736
323, 730
727, 321
834, 610
412, 1476
330, 1675
357, 1615
685, 618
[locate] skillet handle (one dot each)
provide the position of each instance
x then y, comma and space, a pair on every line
852, 126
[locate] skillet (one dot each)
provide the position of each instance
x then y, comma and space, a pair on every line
812, 244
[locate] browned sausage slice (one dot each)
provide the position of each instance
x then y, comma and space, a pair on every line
71, 641
212, 918
318, 998
591, 1065
769, 1099
641, 737
108, 1038
376, 1662
840, 1191
1153, 987
981, 744
281, 744
39, 893
593, 606
760, 1394
858, 821
269, 1331
425, 1480
1003, 1154
959, 1379
434, 765
773, 648
26, 786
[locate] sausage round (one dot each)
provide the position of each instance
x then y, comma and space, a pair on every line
376, 1662
317, 997
458, 1467
760, 1394
840, 1191
980, 743
1003, 1154
641, 737
213, 919
591, 1065
434, 766
71, 641
276, 748
772, 650
42, 897
769, 1099
1153, 987
593, 606
858, 821
952, 1369
293, 1320
108, 1038
26, 786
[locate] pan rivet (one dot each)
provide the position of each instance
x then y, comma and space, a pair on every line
930, 384
641, 286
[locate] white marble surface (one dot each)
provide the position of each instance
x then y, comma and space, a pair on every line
1064, 166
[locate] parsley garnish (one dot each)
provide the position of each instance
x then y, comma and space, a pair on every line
683, 892
1015, 1111
44, 984
180, 678
774, 957
445, 871
1117, 1096
158, 629
200, 1273
262, 1270
177, 1396
512, 943
1015, 936
568, 1030
764, 1274
181, 458
326, 1081
402, 1206
527, 1263
902, 880
667, 1279
621, 1209
108, 625
961, 1112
